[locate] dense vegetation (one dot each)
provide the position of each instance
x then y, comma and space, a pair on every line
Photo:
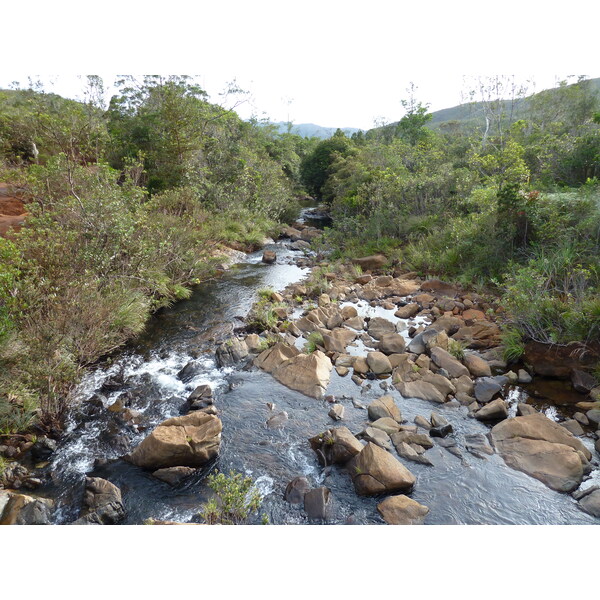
510, 200
129, 207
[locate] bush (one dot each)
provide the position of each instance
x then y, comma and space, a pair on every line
236, 499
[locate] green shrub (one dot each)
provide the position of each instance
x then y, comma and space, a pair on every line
314, 339
235, 499
512, 340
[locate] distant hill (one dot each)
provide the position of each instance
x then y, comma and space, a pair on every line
312, 130
472, 115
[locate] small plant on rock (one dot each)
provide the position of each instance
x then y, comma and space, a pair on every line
236, 499
457, 349
314, 340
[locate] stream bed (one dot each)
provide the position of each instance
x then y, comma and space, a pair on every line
461, 489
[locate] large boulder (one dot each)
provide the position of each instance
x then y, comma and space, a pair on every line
306, 373
402, 510
553, 360
445, 360
189, 441
336, 446
486, 388
376, 471
102, 503
543, 449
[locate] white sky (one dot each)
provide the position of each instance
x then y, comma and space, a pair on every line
339, 64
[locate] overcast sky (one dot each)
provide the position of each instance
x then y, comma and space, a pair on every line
337, 64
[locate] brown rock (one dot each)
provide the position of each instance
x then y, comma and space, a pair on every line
402, 510
446, 361
378, 363
371, 263
191, 441
477, 366
384, 407
376, 471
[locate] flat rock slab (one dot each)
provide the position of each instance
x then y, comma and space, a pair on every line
543, 449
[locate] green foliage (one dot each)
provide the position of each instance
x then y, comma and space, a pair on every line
512, 340
313, 341
456, 348
235, 500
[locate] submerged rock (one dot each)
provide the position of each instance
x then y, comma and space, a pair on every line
402, 510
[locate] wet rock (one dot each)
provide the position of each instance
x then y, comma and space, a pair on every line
593, 415
190, 441
337, 412
20, 509
422, 390
376, 471
543, 449
523, 376
335, 446
525, 409
422, 422
102, 503
590, 503
409, 437
43, 449
231, 351
296, 490
486, 388
402, 510
446, 361
392, 343
477, 366
278, 421
582, 381
494, 411
384, 407
408, 453
188, 372
437, 420
317, 503
553, 360
173, 475
376, 436
269, 257
478, 445
342, 371
441, 432
573, 426
299, 245
581, 418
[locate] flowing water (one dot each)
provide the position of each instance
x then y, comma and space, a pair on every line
457, 489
